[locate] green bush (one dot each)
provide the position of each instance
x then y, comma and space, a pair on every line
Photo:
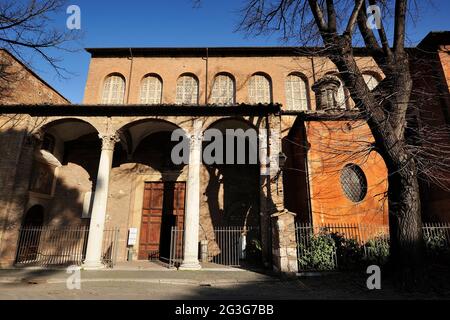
376, 250
349, 252
436, 245
319, 255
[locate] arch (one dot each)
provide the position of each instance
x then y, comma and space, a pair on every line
151, 89
113, 90
51, 121
232, 188
34, 217
30, 235
134, 132
260, 88
224, 89
233, 119
187, 89
251, 140
297, 91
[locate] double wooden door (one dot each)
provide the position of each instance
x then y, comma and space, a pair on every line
163, 208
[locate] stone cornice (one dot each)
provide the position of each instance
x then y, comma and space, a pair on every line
141, 110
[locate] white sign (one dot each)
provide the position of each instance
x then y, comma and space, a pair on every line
132, 236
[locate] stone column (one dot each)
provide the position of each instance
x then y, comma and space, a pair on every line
192, 216
95, 240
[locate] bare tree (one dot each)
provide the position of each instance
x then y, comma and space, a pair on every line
334, 25
25, 31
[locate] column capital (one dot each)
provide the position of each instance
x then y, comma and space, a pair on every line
109, 140
196, 137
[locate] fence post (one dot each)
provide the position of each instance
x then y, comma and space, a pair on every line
284, 251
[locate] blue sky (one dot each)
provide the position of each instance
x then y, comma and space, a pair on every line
175, 23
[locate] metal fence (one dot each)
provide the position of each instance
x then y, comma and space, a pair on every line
226, 246
176, 247
371, 242
437, 233
54, 246
230, 245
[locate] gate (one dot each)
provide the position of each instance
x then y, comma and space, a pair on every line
52, 246
229, 247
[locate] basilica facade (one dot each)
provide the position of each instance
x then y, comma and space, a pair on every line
108, 162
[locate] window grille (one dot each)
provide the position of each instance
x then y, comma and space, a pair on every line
223, 90
187, 90
353, 182
259, 89
151, 89
113, 90
296, 93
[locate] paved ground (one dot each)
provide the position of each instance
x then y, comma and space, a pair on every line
172, 285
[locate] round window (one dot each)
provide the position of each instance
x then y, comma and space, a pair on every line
353, 182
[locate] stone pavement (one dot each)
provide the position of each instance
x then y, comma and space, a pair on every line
203, 277
174, 285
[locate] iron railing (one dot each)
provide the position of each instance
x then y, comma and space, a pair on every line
227, 245
55, 246
176, 247
372, 239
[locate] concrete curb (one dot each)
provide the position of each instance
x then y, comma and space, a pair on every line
217, 282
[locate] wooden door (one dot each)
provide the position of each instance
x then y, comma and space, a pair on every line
163, 208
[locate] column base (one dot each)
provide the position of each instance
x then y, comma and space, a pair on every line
190, 266
93, 265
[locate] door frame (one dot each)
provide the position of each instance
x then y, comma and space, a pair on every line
163, 213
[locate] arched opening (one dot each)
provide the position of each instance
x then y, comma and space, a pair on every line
30, 235
74, 151
144, 162
231, 187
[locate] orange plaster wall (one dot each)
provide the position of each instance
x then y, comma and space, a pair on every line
333, 144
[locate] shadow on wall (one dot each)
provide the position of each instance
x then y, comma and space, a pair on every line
41, 220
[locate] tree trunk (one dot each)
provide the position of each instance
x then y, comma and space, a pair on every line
387, 127
405, 223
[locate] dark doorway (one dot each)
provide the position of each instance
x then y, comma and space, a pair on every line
163, 208
30, 235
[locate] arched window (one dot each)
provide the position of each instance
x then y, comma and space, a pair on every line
296, 93
187, 90
371, 81
260, 90
151, 89
223, 90
113, 89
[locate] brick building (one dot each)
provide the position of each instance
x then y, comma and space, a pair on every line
61, 174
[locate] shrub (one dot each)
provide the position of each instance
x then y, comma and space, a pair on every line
320, 254
349, 252
436, 245
376, 250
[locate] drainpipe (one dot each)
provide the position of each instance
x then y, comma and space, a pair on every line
313, 70
129, 75
206, 75
308, 186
